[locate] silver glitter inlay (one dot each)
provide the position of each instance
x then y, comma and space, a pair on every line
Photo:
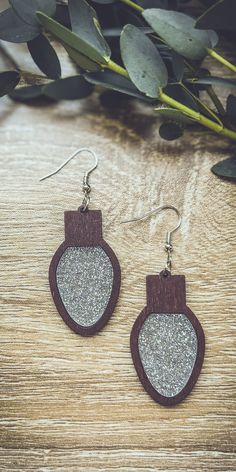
84, 279
168, 350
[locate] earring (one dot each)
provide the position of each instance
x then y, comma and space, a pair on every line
84, 273
167, 340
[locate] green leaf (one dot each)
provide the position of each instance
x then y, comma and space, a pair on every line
170, 131
27, 94
210, 80
70, 39
113, 81
142, 61
214, 38
8, 81
105, 2
220, 16
70, 88
170, 114
82, 61
14, 30
116, 31
177, 65
178, 31
111, 99
26, 9
85, 24
45, 57
231, 108
225, 169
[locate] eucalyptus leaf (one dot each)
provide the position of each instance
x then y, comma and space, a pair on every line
27, 94
178, 65
113, 81
213, 37
220, 16
178, 31
157, 3
210, 80
170, 131
85, 24
105, 2
181, 94
83, 62
8, 81
14, 30
62, 15
45, 56
231, 108
111, 99
26, 9
127, 16
70, 88
70, 39
170, 114
116, 32
142, 61
226, 168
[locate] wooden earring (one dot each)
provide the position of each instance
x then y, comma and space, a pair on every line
84, 274
167, 340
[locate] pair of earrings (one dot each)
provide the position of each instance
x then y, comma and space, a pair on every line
167, 340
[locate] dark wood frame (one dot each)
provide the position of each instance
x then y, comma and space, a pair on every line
166, 294
84, 229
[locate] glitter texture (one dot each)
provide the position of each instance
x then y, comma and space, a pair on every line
84, 280
168, 349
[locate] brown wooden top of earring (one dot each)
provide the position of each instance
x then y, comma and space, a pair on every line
165, 292
83, 228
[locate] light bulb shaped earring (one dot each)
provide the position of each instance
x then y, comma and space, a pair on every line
167, 340
84, 273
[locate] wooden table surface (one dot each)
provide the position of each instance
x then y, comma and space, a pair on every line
75, 404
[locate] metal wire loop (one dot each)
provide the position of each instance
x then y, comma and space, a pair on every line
168, 243
86, 188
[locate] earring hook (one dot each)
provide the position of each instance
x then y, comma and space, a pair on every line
168, 244
86, 187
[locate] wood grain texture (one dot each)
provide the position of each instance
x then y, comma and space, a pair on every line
73, 404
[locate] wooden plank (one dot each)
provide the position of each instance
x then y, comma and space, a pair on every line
70, 403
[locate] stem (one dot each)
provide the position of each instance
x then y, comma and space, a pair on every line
197, 116
118, 69
203, 105
221, 59
133, 5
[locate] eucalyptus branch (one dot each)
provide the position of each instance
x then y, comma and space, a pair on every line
210, 51
201, 119
194, 115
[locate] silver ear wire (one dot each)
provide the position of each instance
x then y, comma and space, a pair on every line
86, 187
168, 243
